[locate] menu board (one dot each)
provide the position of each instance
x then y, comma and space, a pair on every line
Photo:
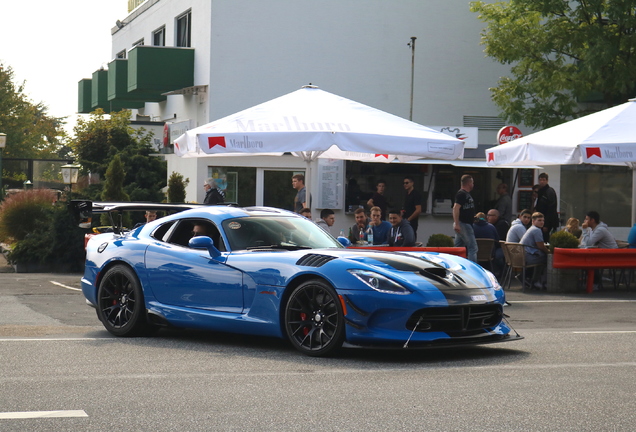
330, 184
524, 198
526, 177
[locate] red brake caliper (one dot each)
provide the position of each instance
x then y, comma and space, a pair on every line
303, 316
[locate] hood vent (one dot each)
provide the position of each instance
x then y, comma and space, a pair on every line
314, 260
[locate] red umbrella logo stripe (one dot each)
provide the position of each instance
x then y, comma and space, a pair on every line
216, 141
593, 151
491, 157
386, 156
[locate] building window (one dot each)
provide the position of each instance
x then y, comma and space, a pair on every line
159, 37
121, 54
184, 30
138, 43
596, 187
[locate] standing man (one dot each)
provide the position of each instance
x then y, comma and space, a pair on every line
504, 203
300, 201
547, 204
212, 194
380, 228
401, 233
412, 204
463, 217
378, 199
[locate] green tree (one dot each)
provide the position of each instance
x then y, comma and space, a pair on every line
99, 139
562, 53
31, 132
114, 184
176, 188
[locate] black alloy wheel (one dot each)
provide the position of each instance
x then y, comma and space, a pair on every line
314, 320
120, 303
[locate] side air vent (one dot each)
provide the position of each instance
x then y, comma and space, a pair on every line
314, 260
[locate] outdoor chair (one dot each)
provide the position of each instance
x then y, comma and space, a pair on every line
516, 252
485, 251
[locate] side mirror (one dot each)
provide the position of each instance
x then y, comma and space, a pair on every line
83, 212
344, 241
203, 242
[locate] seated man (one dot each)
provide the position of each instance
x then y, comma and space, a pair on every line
595, 233
401, 233
535, 248
519, 226
362, 223
380, 228
327, 219
199, 229
498, 222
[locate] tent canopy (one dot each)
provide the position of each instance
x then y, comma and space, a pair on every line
605, 137
312, 120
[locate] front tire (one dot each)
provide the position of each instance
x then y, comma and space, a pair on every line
314, 320
120, 303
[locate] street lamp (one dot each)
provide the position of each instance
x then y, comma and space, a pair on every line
3, 143
69, 175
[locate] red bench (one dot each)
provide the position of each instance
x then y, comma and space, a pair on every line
593, 259
459, 251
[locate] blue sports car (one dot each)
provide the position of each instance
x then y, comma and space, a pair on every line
270, 272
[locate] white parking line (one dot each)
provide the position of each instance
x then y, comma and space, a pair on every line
65, 286
604, 332
53, 339
572, 301
42, 414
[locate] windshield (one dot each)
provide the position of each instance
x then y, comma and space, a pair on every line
276, 232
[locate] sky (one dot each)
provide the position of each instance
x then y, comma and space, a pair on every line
52, 44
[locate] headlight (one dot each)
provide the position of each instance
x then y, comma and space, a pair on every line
493, 280
379, 283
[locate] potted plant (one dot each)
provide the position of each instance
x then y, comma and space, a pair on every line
440, 240
562, 280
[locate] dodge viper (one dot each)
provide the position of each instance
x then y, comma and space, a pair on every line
270, 272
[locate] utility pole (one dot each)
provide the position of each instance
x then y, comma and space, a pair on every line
412, 45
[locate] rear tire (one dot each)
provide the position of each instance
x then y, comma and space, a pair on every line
120, 303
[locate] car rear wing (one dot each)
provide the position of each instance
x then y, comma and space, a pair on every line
83, 210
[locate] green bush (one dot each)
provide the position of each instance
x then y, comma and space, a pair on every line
55, 241
176, 188
21, 212
440, 240
563, 239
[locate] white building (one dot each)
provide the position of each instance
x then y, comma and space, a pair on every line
188, 62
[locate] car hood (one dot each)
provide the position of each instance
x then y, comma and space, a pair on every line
420, 270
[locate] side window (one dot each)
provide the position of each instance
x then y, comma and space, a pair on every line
160, 232
184, 231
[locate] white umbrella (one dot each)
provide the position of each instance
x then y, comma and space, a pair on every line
310, 122
606, 137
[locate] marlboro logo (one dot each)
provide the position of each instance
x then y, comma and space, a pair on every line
216, 141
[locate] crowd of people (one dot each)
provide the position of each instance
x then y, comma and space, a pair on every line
532, 227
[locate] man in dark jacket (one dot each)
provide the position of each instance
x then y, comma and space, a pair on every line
547, 204
213, 195
401, 233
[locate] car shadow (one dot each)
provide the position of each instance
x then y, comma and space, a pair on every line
281, 350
